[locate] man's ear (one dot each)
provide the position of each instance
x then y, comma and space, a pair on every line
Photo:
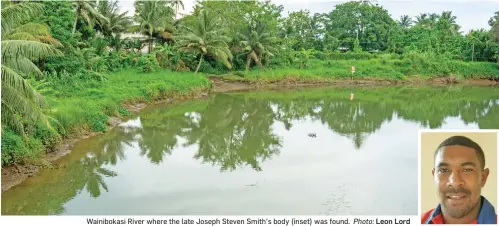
485, 175
433, 172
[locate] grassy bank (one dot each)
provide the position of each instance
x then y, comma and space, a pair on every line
387, 67
79, 106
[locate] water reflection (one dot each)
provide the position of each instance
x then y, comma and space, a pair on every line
232, 131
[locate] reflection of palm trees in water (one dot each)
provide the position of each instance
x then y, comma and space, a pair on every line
94, 173
489, 118
354, 119
232, 132
236, 130
109, 151
288, 110
471, 111
159, 134
113, 146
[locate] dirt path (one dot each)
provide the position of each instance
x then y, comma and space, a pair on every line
220, 86
15, 174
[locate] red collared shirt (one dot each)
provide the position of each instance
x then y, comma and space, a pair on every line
437, 219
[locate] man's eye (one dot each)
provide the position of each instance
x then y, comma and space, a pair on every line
468, 170
443, 170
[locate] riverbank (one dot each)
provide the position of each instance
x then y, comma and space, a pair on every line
87, 107
115, 102
231, 82
389, 68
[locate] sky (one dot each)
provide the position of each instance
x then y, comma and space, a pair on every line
471, 14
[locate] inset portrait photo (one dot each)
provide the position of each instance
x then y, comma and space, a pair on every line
458, 176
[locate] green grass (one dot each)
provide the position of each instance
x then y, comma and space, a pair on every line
94, 100
83, 105
386, 68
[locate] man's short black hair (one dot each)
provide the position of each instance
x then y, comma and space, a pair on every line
466, 142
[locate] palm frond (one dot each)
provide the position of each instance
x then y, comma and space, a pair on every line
21, 65
19, 104
17, 14
188, 50
87, 18
90, 11
93, 187
14, 80
191, 38
10, 119
134, 28
106, 172
32, 50
33, 28
22, 36
220, 55
102, 183
50, 40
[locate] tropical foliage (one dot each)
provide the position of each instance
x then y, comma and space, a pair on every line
91, 54
23, 43
206, 38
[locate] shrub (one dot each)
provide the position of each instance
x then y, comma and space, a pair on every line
148, 63
16, 149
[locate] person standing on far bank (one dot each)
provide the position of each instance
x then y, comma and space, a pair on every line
459, 174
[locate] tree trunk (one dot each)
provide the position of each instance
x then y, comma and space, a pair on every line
258, 62
199, 64
473, 52
248, 61
76, 21
151, 41
253, 56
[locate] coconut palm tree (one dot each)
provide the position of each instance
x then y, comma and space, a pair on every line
421, 17
22, 44
257, 43
176, 4
428, 21
494, 19
154, 17
118, 22
447, 23
405, 21
206, 38
368, 2
87, 10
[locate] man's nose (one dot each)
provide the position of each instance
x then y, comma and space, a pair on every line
455, 179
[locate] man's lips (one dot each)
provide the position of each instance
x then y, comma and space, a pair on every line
456, 196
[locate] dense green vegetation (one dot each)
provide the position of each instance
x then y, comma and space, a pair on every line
388, 66
66, 68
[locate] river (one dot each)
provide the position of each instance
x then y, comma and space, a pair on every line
299, 151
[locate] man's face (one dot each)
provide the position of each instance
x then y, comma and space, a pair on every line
460, 178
